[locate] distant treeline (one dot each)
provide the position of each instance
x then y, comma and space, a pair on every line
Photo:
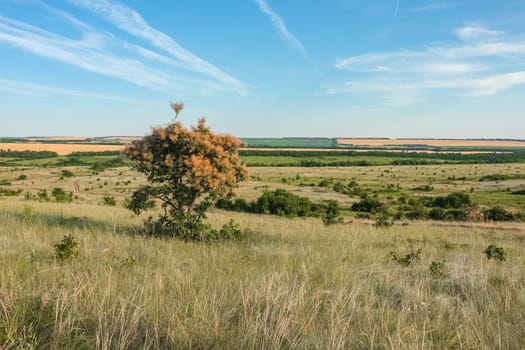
94, 154
344, 158
95, 164
27, 154
291, 142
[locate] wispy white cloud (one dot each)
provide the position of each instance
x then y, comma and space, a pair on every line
483, 62
80, 53
103, 52
44, 91
482, 86
393, 92
432, 7
471, 32
282, 29
130, 21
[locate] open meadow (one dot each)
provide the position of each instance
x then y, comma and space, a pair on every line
286, 282
262, 175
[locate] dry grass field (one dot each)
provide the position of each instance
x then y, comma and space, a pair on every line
430, 142
59, 148
287, 283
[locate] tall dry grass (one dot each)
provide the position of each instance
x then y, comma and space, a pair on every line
288, 284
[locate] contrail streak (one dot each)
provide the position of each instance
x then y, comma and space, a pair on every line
397, 8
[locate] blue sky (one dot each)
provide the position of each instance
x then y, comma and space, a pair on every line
354, 68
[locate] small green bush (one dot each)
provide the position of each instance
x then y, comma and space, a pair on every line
455, 200
424, 188
67, 248
42, 196
331, 215
230, 230
367, 204
67, 173
497, 214
495, 252
62, 196
408, 259
109, 200
339, 187
383, 221
436, 268
9, 193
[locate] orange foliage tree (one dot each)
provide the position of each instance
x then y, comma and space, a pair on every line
188, 170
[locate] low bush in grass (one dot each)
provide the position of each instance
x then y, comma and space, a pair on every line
367, 204
331, 215
454, 200
498, 214
6, 192
62, 196
278, 202
495, 252
67, 173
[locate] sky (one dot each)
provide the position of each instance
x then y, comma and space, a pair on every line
264, 68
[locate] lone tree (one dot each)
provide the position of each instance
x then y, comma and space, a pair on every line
188, 170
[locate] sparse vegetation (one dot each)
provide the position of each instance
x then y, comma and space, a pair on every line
266, 281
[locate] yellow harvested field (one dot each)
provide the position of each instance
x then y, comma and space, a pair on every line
59, 148
431, 142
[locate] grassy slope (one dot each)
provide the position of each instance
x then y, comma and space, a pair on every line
288, 284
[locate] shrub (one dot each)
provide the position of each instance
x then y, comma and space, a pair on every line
339, 187
437, 214
331, 215
188, 170
230, 230
408, 259
495, 252
497, 214
67, 248
22, 177
278, 202
109, 200
454, 200
383, 221
283, 203
42, 196
456, 215
9, 193
367, 204
424, 188
67, 173
436, 268
494, 177
62, 196
237, 204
